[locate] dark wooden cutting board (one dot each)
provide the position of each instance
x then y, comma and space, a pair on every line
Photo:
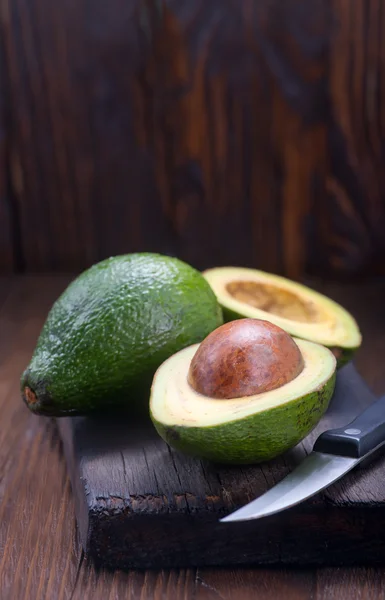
141, 504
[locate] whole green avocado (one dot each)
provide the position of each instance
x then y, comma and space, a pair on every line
111, 329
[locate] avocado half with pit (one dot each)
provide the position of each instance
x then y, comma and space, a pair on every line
246, 394
299, 310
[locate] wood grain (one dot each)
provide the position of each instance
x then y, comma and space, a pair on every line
355, 181
195, 584
223, 132
34, 489
368, 584
32, 467
7, 234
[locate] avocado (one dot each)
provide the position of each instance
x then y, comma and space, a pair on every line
111, 328
244, 395
301, 311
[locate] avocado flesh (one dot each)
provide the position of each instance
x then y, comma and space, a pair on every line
109, 331
314, 316
244, 430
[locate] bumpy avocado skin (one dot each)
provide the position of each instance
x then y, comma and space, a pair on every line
254, 439
111, 329
343, 355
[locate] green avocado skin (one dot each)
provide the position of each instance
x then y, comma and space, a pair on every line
111, 329
343, 355
254, 439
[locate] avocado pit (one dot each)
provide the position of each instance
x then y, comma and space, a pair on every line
244, 358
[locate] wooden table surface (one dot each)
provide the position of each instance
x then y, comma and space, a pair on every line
40, 557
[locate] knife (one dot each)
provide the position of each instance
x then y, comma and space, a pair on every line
335, 452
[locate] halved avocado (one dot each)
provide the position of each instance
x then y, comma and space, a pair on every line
299, 310
242, 430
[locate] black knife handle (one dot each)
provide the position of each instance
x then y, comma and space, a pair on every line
359, 437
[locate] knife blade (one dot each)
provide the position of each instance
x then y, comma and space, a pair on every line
335, 453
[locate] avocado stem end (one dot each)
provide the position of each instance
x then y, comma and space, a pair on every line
30, 396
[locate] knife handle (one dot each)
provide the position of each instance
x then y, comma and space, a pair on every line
358, 438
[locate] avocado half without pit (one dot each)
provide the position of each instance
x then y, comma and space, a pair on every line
246, 394
299, 310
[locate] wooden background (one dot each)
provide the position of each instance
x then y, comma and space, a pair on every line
225, 132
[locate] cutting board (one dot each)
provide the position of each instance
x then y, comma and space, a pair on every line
141, 504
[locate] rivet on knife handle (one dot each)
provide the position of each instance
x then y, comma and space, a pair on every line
358, 438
